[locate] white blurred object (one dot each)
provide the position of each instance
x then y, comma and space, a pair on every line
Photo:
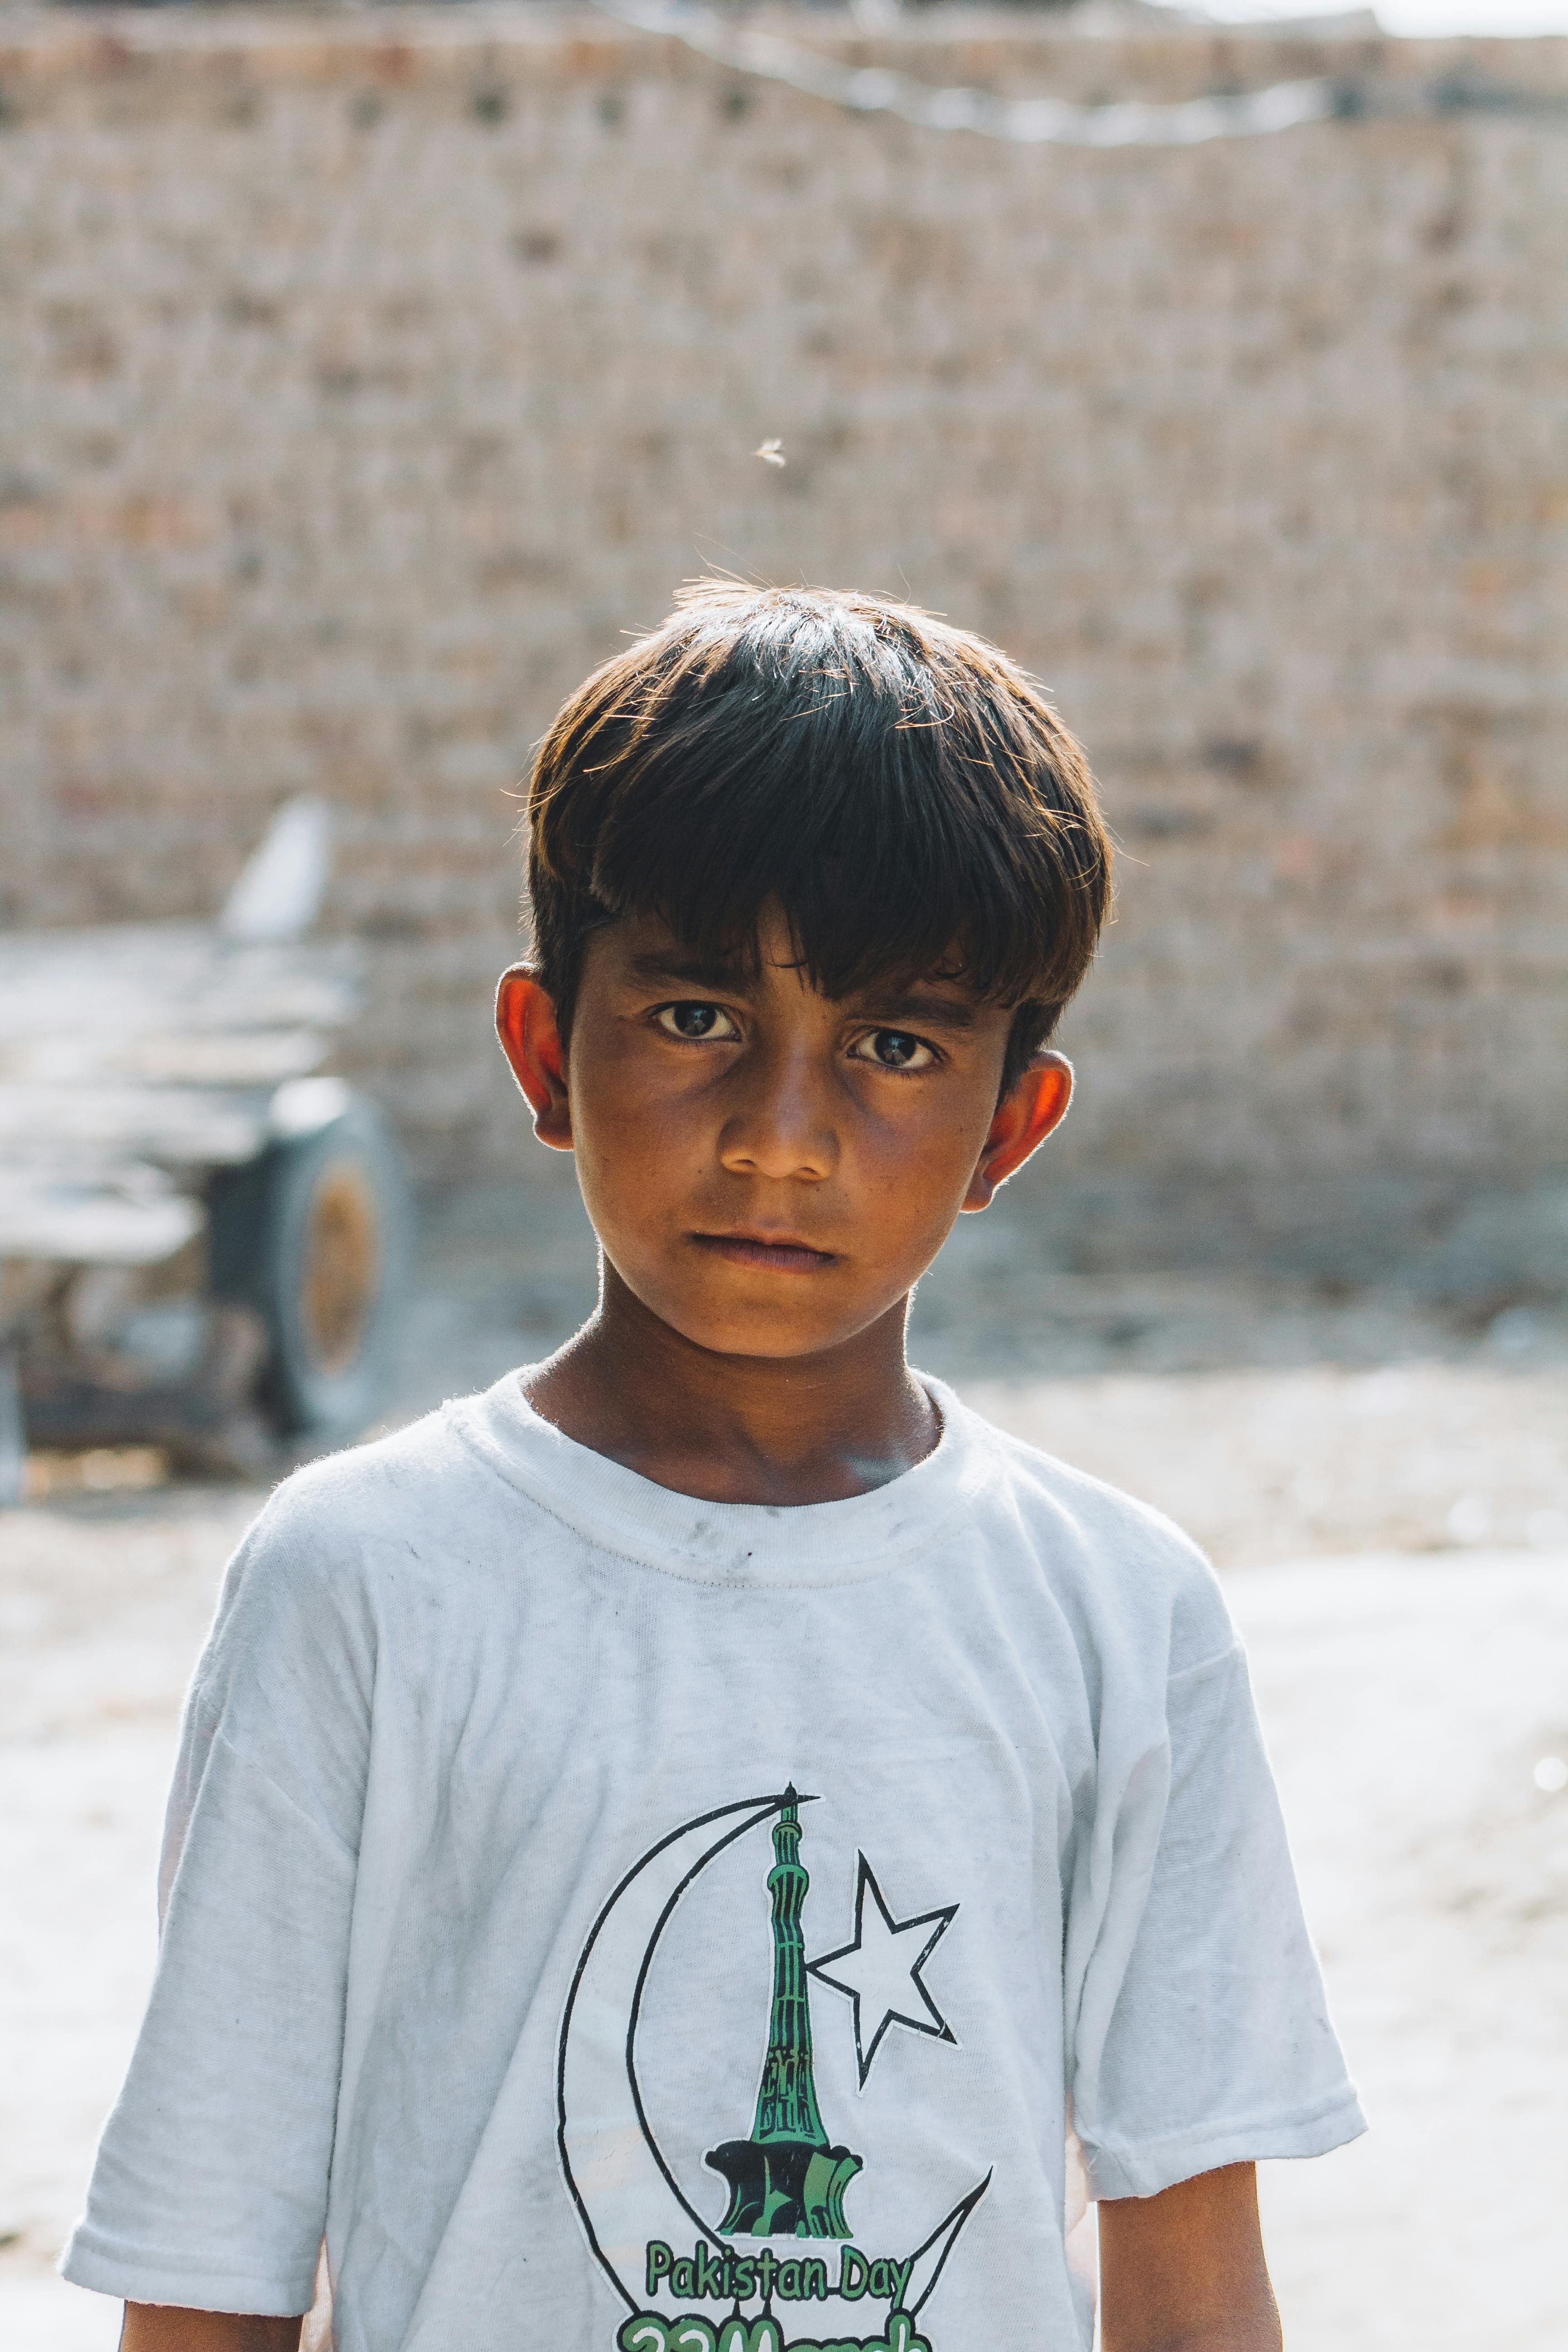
1416, 19
280, 894
1551, 1775
304, 1104
1496, 19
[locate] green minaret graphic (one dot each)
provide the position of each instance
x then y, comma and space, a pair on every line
786, 2181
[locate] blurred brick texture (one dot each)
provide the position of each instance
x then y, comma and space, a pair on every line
367, 376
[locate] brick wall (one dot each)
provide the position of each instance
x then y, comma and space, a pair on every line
367, 376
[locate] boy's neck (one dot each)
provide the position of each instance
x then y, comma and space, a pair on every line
737, 1429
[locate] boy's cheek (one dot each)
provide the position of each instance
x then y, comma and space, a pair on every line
625, 1086
645, 1149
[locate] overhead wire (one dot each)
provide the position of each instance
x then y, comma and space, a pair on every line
754, 50
1030, 121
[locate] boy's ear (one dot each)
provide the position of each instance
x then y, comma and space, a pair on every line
531, 1040
1033, 1104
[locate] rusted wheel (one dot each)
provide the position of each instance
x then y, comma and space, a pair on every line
340, 1270
314, 1235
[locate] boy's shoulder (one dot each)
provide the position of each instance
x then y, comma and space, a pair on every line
1124, 1562
382, 1485
368, 1515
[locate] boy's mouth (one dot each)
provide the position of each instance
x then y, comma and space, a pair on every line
779, 1252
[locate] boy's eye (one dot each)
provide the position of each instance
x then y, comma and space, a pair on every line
894, 1049
696, 1020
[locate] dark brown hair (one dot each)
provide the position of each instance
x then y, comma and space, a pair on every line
903, 792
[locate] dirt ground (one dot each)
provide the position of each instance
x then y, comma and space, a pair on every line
1386, 1486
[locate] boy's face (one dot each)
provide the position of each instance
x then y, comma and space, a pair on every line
769, 1171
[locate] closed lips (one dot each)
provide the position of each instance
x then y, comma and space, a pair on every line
782, 1252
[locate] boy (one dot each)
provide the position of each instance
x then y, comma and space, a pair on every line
688, 1850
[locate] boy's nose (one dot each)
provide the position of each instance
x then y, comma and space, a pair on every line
779, 1124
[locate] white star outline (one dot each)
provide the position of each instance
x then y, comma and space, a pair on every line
868, 1984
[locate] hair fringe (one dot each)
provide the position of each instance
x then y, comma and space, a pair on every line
932, 813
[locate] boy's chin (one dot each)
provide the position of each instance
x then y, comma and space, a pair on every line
758, 1330
745, 1312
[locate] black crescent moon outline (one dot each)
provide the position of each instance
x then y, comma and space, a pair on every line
757, 1809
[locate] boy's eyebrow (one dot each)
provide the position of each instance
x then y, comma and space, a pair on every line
925, 1007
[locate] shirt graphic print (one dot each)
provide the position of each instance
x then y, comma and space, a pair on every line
782, 2266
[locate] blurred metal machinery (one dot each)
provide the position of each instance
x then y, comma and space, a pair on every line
204, 1238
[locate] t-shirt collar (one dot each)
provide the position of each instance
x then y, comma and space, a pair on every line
730, 1544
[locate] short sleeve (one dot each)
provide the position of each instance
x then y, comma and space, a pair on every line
1202, 2031
210, 2186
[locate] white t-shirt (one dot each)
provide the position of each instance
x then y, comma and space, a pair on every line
615, 1919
